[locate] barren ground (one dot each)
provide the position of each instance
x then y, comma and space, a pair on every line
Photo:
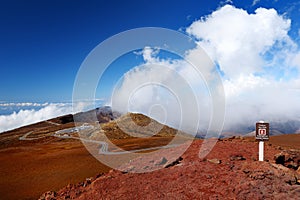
30, 168
230, 171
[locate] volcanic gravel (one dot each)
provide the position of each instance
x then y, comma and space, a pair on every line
229, 171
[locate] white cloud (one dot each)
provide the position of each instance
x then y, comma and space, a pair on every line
256, 56
23, 104
26, 117
252, 98
237, 40
226, 2
25, 113
296, 61
169, 86
255, 2
149, 54
244, 84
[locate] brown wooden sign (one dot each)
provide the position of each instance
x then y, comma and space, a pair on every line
262, 131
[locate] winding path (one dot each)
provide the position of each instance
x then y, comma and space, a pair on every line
64, 134
24, 137
53, 123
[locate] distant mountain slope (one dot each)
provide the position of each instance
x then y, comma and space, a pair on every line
137, 125
102, 114
276, 128
115, 126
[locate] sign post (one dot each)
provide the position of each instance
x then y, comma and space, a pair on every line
262, 134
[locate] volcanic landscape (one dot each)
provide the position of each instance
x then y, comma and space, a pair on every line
47, 160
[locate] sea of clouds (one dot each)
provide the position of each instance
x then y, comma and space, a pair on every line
14, 115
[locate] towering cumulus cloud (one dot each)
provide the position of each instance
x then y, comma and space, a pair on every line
258, 61
238, 41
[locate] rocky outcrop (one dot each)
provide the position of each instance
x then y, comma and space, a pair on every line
288, 158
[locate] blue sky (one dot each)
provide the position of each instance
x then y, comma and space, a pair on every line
43, 44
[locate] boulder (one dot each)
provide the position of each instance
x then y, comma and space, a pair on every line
279, 158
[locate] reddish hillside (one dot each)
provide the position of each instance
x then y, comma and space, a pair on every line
33, 160
134, 125
230, 171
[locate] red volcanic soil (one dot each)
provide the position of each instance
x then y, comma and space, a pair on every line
229, 171
27, 171
31, 167
291, 141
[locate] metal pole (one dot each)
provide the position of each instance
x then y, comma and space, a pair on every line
261, 151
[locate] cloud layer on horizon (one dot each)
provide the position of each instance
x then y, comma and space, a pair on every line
26, 113
29, 116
